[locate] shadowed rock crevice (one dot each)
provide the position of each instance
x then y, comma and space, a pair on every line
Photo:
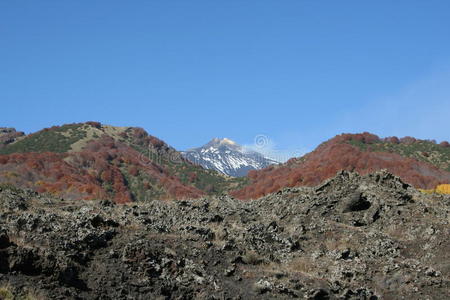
357, 202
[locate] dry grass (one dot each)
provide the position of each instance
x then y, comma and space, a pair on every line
342, 240
33, 295
426, 191
21, 241
338, 244
303, 265
5, 293
252, 258
91, 132
395, 232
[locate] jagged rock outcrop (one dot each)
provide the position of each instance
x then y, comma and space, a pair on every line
9, 135
352, 237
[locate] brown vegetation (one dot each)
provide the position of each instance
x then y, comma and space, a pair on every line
336, 155
87, 173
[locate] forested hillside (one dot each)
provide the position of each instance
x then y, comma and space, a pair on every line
421, 163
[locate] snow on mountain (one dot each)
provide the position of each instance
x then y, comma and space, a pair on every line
227, 157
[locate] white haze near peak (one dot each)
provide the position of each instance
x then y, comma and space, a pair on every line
270, 150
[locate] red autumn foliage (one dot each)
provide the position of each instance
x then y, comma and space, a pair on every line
445, 144
140, 137
3, 159
392, 140
139, 133
133, 170
94, 124
365, 137
157, 143
408, 140
192, 177
84, 174
335, 155
252, 174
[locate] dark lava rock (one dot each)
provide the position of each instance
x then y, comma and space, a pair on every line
4, 239
353, 237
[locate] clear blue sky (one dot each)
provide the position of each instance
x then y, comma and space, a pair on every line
297, 71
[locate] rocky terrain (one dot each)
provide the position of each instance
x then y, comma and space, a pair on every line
227, 157
8, 136
352, 237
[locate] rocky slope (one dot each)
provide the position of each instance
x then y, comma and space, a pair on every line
352, 237
96, 161
227, 157
8, 136
421, 163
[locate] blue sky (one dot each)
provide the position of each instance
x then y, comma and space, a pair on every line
298, 72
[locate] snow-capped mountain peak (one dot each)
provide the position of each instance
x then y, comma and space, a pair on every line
227, 157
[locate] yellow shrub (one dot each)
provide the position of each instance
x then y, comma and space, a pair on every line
443, 189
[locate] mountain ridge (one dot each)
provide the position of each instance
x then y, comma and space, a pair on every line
95, 161
228, 157
422, 163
